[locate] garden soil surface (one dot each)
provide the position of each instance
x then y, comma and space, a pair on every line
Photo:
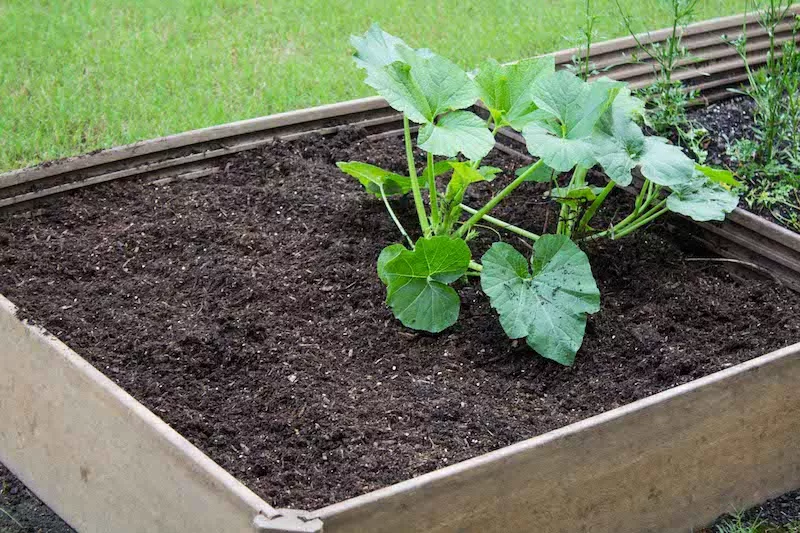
727, 122
244, 309
22, 512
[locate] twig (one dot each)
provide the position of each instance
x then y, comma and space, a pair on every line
12, 518
752, 266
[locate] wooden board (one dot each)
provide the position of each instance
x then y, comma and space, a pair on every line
671, 462
100, 459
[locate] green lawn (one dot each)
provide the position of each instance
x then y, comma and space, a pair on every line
76, 75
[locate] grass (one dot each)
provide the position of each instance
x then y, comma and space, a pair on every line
738, 524
76, 75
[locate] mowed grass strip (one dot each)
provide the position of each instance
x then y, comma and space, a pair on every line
78, 75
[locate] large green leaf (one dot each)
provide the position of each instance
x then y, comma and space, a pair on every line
423, 85
386, 255
373, 178
376, 48
559, 153
548, 305
560, 132
506, 89
665, 164
457, 132
702, 200
418, 283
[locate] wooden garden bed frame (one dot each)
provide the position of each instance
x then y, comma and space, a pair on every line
670, 462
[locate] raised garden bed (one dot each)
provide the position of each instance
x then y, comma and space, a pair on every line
241, 308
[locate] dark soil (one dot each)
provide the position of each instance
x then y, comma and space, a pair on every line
772, 514
22, 512
244, 309
726, 122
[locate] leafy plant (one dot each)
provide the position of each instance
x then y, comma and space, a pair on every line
772, 159
667, 99
570, 126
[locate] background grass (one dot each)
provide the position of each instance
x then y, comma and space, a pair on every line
76, 75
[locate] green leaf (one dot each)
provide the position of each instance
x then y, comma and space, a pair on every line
376, 48
702, 200
549, 305
542, 174
559, 153
561, 130
459, 131
665, 164
439, 168
423, 85
489, 173
463, 176
719, 175
620, 146
506, 89
372, 178
575, 196
386, 255
418, 289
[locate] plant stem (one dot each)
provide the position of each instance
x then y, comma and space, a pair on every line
639, 223
412, 173
474, 265
497, 199
434, 194
566, 217
589, 215
394, 217
502, 224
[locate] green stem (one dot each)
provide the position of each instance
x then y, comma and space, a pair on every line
634, 218
496, 200
394, 217
502, 224
474, 265
639, 223
654, 192
412, 173
589, 215
568, 214
434, 195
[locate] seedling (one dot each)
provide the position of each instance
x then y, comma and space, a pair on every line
570, 126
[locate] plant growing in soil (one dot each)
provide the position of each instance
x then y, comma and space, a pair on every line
582, 65
667, 99
570, 126
772, 160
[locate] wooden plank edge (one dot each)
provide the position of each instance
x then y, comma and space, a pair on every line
720, 24
766, 228
766, 248
96, 456
756, 36
674, 461
180, 140
181, 162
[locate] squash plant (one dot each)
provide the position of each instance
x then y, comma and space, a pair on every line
570, 126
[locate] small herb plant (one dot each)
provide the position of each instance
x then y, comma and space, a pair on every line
772, 160
570, 126
582, 65
667, 99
